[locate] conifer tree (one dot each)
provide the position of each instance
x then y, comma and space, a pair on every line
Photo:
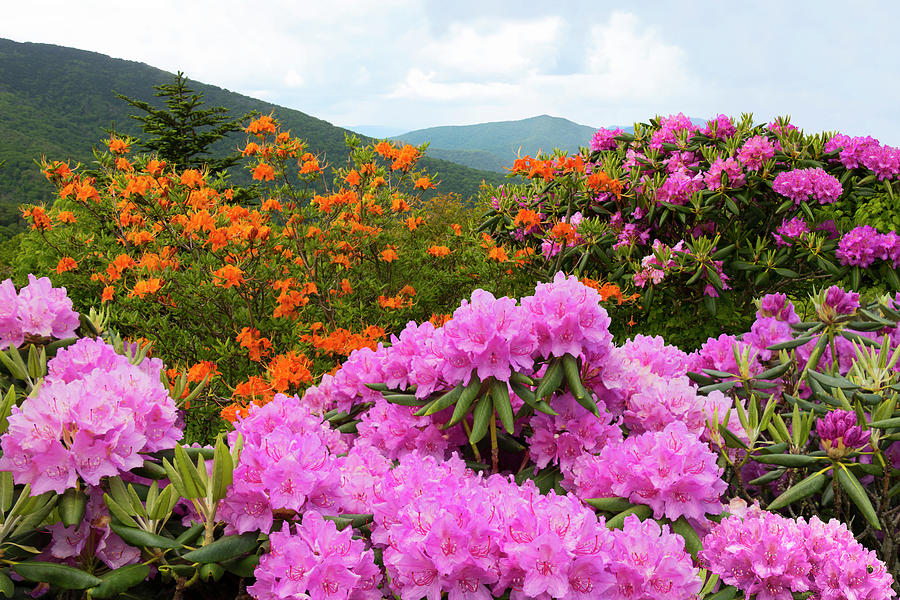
182, 132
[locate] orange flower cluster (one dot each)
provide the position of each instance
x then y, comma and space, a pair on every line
601, 182
341, 342
438, 251
252, 340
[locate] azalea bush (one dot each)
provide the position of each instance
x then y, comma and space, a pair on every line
715, 215
259, 290
513, 450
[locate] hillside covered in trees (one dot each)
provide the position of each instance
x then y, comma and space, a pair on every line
58, 102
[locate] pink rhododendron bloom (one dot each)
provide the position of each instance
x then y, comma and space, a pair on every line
38, 309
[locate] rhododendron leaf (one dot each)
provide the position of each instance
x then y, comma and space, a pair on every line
7, 489
788, 460
855, 490
162, 504
72, 504
189, 535
723, 386
642, 511
136, 505
242, 567
731, 440
855, 337
378, 387
612, 504
37, 362
443, 401
885, 423
830, 381
223, 548
502, 404
175, 478
150, 470
768, 477
803, 489
190, 477
118, 580
17, 370
465, 400
521, 379
211, 572
7, 588
775, 372
719, 374
141, 538
692, 543
118, 511
348, 427
482, 414
551, 379
508, 443
152, 496
62, 576
34, 509
701, 379
223, 469
408, 400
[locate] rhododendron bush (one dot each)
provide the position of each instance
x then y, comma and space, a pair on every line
717, 215
511, 451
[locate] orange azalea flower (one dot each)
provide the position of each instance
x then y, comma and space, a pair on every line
250, 148
386, 150
66, 216
264, 172
457, 229
377, 182
345, 286
390, 303
405, 158
39, 219
389, 255
564, 231
228, 276
439, 320
66, 264
310, 166
407, 290
155, 167
58, 169
107, 294
261, 126
352, 177
341, 259
145, 286
123, 164
439, 251
192, 178
528, 218
118, 146
498, 253
424, 183
201, 371
257, 345
289, 371
272, 204
412, 223
399, 204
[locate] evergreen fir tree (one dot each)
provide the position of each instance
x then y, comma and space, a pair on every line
182, 133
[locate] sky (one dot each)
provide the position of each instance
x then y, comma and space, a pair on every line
389, 66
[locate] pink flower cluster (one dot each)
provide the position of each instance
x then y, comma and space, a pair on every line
393, 430
289, 462
670, 470
795, 228
802, 184
669, 128
729, 167
605, 139
755, 152
317, 562
37, 309
862, 246
444, 529
719, 128
866, 152
567, 318
92, 538
679, 186
573, 432
92, 417
771, 556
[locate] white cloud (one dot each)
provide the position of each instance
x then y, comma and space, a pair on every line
423, 86
293, 79
488, 48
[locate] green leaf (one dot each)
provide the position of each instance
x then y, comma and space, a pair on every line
641, 510
482, 417
787, 460
726, 593
63, 576
444, 401
465, 400
798, 491
551, 379
72, 504
118, 580
611, 504
886, 423
140, 538
223, 548
118, 511
7, 588
242, 567
855, 490
502, 405
692, 543
223, 469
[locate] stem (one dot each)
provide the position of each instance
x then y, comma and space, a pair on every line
495, 453
469, 436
